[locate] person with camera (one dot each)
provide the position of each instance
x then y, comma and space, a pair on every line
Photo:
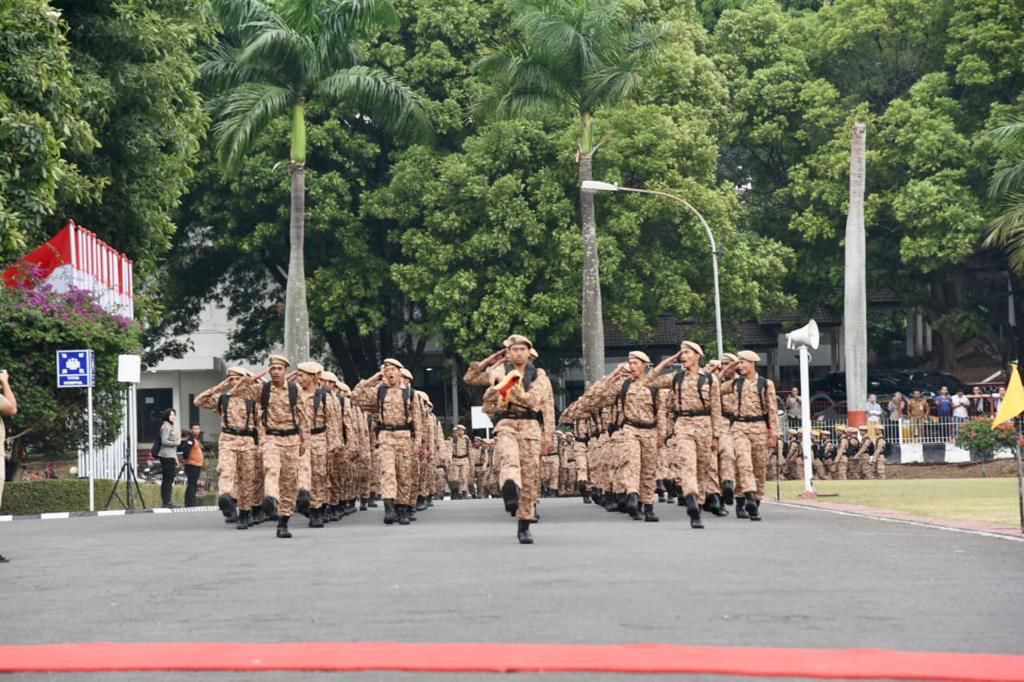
8, 408
168, 455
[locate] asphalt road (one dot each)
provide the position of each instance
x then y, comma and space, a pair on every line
800, 578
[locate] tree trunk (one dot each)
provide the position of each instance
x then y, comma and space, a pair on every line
593, 319
296, 314
855, 346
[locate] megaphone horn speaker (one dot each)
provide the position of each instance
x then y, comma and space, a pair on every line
806, 335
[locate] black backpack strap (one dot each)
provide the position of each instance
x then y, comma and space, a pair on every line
738, 383
265, 401
222, 408
293, 400
250, 414
762, 390
703, 380
382, 392
622, 399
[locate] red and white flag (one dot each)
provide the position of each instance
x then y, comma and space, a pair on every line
77, 259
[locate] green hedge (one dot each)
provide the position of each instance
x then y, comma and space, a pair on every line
72, 495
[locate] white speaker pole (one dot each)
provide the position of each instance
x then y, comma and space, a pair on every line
801, 339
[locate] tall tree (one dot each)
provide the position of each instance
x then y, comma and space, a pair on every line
1007, 186
576, 56
273, 59
41, 120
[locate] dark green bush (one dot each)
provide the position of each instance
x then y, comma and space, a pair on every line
72, 495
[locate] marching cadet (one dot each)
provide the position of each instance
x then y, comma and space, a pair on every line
755, 429
479, 459
283, 424
581, 436
441, 466
726, 449
399, 433
237, 445
637, 404
336, 446
320, 409
550, 466
824, 452
426, 463
876, 467
793, 467
696, 409
849, 446
458, 473
567, 465
860, 464
522, 406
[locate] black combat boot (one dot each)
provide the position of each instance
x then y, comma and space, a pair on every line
752, 507
510, 493
633, 506
243, 521
620, 502
228, 507
336, 513
316, 519
390, 513
430, 500
660, 488
523, 533
372, 502
362, 504
269, 508
403, 515
302, 503
255, 516
741, 508
586, 497
693, 511
410, 512
713, 505
649, 514
728, 492
671, 492
421, 503
282, 527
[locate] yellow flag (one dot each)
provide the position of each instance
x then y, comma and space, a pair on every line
1013, 403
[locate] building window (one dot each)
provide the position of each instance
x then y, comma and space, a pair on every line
193, 410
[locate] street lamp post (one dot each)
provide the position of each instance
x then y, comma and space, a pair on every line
597, 186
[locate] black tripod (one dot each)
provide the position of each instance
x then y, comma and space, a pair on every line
127, 467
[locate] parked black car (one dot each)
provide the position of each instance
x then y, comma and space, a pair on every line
884, 384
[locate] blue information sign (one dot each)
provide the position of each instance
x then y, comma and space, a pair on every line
75, 368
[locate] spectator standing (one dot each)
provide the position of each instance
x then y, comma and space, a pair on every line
8, 408
979, 402
897, 411
997, 399
168, 454
875, 413
961, 405
793, 405
944, 404
918, 410
192, 454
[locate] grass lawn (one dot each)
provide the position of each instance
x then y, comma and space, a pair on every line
991, 500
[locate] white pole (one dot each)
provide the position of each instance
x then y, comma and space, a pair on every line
92, 457
805, 417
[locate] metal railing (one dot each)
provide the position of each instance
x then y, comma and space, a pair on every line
903, 431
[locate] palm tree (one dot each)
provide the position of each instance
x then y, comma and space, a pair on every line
273, 58
572, 56
1007, 184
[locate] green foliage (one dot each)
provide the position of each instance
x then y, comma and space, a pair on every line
978, 435
35, 325
135, 64
72, 495
41, 122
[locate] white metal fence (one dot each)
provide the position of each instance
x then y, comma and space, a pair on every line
904, 431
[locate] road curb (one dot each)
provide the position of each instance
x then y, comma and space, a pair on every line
49, 516
934, 525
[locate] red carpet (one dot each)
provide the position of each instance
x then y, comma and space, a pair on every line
864, 664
